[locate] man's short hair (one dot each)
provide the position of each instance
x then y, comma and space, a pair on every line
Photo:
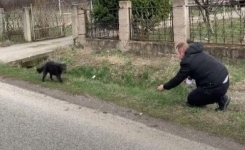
181, 44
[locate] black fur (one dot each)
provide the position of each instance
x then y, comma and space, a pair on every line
53, 68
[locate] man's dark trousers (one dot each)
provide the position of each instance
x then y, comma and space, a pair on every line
203, 96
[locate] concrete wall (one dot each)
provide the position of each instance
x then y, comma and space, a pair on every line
219, 51
138, 47
160, 49
181, 34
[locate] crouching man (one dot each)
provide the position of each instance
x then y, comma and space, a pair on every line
211, 77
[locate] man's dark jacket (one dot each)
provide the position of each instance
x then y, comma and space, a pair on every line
198, 65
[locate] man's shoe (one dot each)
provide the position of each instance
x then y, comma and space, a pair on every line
223, 103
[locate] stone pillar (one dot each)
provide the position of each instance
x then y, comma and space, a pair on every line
124, 23
74, 19
78, 24
243, 14
82, 25
27, 24
181, 21
1, 21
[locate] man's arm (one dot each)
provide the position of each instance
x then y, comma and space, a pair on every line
181, 76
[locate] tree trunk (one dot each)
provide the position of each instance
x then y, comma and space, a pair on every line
208, 22
205, 15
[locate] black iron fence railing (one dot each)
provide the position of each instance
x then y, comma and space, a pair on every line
13, 26
102, 26
217, 24
147, 24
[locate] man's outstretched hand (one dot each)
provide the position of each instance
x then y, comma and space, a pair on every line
160, 88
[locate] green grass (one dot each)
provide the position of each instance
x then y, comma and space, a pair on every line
194, 11
135, 87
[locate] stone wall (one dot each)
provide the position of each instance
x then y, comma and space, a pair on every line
138, 47
228, 51
159, 49
180, 29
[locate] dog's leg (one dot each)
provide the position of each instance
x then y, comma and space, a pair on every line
44, 75
59, 78
51, 76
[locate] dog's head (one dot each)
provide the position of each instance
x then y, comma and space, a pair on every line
63, 67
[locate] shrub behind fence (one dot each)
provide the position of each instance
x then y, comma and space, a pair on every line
149, 25
102, 26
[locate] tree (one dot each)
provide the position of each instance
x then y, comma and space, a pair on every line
105, 11
205, 7
147, 14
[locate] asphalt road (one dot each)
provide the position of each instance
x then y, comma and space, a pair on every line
32, 121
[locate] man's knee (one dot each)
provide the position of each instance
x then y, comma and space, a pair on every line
191, 100
196, 98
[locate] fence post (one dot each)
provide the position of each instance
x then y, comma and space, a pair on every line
74, 19
1, 21
79, 24
180, 21
124, 23
27, 24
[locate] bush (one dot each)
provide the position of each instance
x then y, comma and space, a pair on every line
106, 12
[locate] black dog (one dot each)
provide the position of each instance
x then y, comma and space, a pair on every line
53, 68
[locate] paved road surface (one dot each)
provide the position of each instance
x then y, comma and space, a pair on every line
31, 121
27, 50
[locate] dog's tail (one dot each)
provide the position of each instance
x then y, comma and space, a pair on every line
40, 69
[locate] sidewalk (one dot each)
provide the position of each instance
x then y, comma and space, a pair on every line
28, 51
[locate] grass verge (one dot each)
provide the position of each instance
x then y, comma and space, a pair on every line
131, 81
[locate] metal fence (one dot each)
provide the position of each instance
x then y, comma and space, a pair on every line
217, 24
102, 26
13, 26
67, 21
149, 25
47, 20
67, 16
